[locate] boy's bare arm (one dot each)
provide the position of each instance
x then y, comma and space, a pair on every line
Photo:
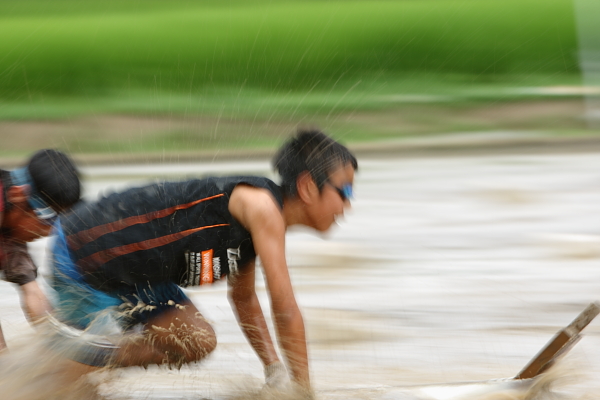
33, 301
246, 306
257, 211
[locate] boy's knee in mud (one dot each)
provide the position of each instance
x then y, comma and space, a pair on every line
195, 343
204, 342
182, 335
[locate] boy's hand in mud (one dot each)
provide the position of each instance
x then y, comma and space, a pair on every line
276, 377
302, 393
278, 385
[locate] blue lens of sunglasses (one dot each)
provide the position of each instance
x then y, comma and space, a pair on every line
345, 192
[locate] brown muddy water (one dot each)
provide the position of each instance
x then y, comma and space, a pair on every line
445, 270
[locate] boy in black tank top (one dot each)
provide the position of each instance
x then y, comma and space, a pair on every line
132, 251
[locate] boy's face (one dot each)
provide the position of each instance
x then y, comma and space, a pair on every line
22, 222
332, 200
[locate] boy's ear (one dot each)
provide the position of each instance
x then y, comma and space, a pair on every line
17, 194
307, 188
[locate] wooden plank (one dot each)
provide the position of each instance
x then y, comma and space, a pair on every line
559, 344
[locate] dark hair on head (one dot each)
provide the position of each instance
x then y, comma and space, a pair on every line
313, 151
56, 178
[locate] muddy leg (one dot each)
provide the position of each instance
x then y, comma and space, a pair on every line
175, 337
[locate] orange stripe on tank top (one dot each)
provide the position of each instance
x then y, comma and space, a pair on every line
77, 240
105, 256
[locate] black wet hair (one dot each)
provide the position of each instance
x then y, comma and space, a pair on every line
56, 178
313, 151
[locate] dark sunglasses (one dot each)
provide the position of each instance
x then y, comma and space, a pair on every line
345, 192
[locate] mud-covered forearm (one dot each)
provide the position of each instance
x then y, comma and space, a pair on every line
292, 339
254, 326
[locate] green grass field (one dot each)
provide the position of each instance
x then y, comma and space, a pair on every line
280, 60
94, 48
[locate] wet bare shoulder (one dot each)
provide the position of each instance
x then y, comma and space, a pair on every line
251, 206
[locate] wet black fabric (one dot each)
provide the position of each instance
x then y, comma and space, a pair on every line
156, 233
